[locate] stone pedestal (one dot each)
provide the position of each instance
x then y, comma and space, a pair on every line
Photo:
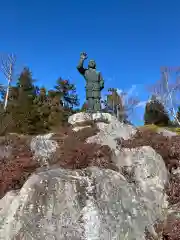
83, 117
110, 129
79, 120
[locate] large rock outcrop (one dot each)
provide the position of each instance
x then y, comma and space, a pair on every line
91, 203
84, 204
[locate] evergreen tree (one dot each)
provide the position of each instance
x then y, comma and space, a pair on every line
34, 110
25, 113
2, 93
155, 113
43, 107
67, 93
26, 88
57, 114
13, 94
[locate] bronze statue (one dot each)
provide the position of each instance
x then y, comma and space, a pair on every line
94, 83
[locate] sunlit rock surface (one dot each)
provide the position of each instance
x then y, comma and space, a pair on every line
76, 129
5, 151
43, 148
146, 168
109, 133
166, 133
88, 204
84, 116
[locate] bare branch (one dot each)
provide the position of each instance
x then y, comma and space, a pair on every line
121, 103
7, 67
167, 93
7, 62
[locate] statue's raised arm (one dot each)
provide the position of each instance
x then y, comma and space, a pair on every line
80, 66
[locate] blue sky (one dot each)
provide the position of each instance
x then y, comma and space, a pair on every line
129, 39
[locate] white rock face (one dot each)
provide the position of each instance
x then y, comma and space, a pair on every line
5, 151
76, 129
148, 169
90, 204
109, 133
43, 148
166, 132
100, 125
83, 116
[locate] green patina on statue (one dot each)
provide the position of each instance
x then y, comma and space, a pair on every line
94, 83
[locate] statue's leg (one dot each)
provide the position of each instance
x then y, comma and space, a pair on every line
97, 105
97, 97
90, 104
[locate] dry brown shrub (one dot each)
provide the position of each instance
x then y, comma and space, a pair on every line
173, 189
167, 147
73, 153
18, 166
172, 230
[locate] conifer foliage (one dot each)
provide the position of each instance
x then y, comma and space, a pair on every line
67, 93
33, 110
155, 113
178, 113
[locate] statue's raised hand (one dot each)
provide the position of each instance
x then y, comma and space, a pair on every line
83, 55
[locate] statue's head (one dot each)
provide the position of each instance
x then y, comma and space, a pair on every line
92, 64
